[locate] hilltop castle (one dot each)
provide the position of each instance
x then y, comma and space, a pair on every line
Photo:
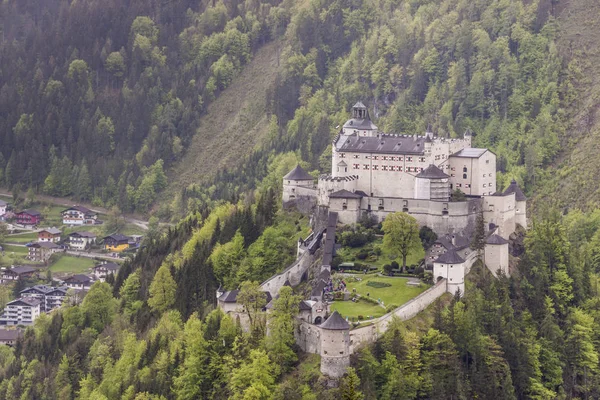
374, 174
377, 173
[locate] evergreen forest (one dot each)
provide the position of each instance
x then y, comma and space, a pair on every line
100, 101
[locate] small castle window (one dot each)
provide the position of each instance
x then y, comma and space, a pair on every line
341, 352
464, 176
464, 169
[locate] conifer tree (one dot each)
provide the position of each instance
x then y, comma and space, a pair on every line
162, 290
349, 386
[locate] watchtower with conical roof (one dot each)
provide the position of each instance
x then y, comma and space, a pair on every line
451, 267
298, 183
335, 346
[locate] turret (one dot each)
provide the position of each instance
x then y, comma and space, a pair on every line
294, 183
432, 184
496, 254
360, 123
520, 203
451, 267
335, 346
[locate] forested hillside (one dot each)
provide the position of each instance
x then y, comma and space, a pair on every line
97, 96
101, 100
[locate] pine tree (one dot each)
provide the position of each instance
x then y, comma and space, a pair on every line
349, 386
162, 290
478, 240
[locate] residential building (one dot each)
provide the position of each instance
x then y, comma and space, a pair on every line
15, 273
101, 271
28, 217
3, 207
22, 311
49, 235
79, 215
8, 337
79, 282
41, 251
116, 242
49, 297
81, 240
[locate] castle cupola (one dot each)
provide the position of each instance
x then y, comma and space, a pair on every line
360, 123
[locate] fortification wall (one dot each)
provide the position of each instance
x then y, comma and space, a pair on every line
294, 273
308, 337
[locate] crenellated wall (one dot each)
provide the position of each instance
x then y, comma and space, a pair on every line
293, 273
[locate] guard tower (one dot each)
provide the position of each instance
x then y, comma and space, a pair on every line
335, 346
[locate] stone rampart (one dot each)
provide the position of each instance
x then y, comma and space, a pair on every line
293, 273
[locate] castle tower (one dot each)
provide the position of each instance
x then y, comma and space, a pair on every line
468, 137
335, 346
496, 254
520, 203
294, 183
451, 267
360, 123
432, 184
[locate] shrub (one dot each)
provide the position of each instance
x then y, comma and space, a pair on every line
378, 285
391, 308
395, 265
362, 254
361, 317
338, 295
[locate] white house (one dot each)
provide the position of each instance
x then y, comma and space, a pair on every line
79, 282
22, 311
101, 271
81, 240
450, 266
79, 215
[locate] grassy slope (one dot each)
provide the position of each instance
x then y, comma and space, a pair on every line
574, 177
234, 124
74, 265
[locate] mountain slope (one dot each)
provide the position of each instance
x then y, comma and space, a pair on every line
234, 124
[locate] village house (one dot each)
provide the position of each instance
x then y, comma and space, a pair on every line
116, 242
49, 297
81, 240
15, 273
28, 217
79, 215
3, 207
49, 235
22, 311
101, 271
8, 337
79, 282
41, 251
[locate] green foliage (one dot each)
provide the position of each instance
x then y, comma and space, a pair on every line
99, 306
401, 235
378, 285
162, 290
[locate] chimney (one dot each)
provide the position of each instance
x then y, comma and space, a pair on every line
453, 240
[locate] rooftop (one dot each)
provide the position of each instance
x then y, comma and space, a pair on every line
298, 174
78, 278
24, 269
10, 334
450, 257
83, 234
52, 231
335, 323
46, 245
469, 152
496, 239
384, 144
432, 172
117, 237
344, 194
514, 188
109, 266
80, 209
30, 212
28, 301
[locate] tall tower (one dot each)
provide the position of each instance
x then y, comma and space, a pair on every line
450, 266
335, 346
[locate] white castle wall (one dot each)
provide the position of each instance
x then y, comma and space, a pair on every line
521, 213
496, 258
294, 273
500, 210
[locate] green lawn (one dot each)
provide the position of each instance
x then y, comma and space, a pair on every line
14, 255
398, 294
353, 310
72, 264
349, 255
22, 238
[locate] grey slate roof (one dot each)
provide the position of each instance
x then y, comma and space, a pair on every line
110, 266
22, 269
359, 104
80, 209
344, 194
469, 152
364, 124
38, 288
318, 288
10, 334
450, 257
117, 237
229, 297
31, 212
298, 174
303, 306
26, 300
460, 241
496, 239
83, 234
335, 323
78, 278
432, 172
514, 188
383, 144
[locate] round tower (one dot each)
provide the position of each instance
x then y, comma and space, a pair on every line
335, 346
496, 254
451, 267
293, 183
432, 184
520, 203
